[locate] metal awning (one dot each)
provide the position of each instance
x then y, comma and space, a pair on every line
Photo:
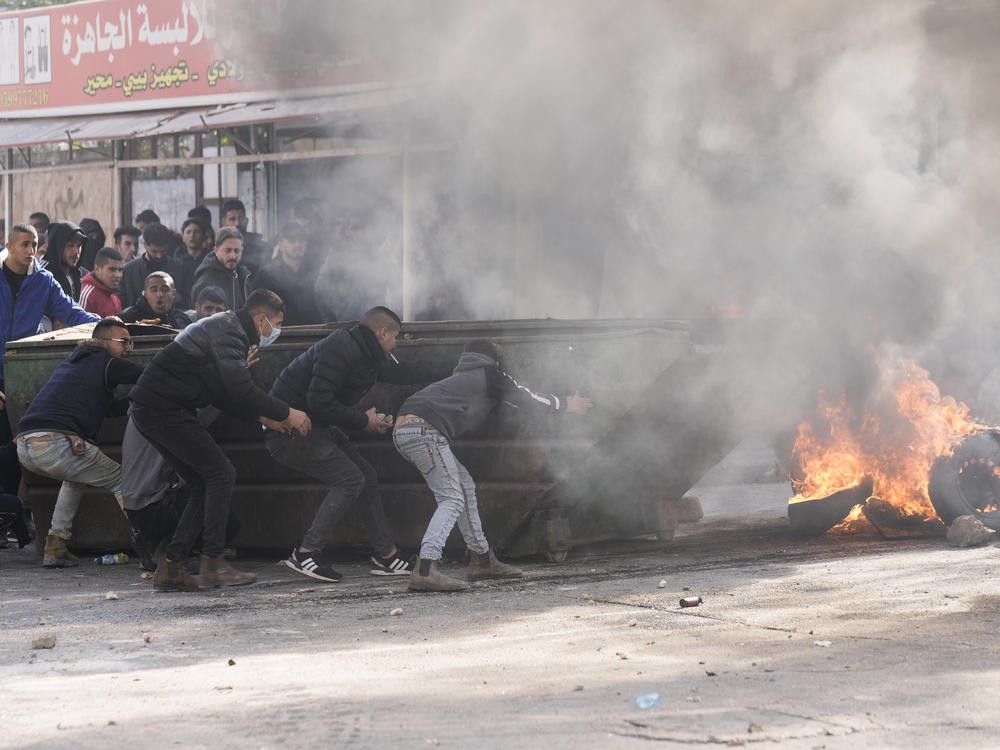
140, 125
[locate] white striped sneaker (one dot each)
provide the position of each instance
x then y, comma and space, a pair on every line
391, 566
312, 564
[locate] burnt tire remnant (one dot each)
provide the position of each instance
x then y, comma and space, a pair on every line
819, 515
968, 482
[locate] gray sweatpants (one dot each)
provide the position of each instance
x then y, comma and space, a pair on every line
452, 485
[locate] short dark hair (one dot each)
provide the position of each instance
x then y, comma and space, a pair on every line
106, 255
201, 213
149, 216
380, 317
43, 217
233, 205
128, 229
211, 293
156, 234
158, 275
264, 300
108, 323
227, 233
482, 346
23, 229
191, 221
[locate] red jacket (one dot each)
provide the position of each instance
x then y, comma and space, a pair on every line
97, 298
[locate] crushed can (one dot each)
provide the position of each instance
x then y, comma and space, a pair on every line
691, 601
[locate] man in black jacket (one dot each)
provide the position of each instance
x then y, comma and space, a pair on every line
57, 436
156, 238
286, 277
157, 303
62, 258
207, 365
326, 381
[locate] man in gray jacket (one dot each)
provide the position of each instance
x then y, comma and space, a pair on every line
429, 421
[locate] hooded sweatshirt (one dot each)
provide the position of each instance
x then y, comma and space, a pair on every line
70, 280
463, 401
93, 247
80, 393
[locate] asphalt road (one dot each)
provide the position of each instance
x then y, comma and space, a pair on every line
822, 643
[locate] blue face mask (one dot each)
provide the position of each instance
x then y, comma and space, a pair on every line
271, 337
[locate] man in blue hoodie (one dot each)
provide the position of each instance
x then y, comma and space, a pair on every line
28, 292
57, 437
429, 421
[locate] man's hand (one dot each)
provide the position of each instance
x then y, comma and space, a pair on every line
375, 424
298, 422
252, 357
577, 404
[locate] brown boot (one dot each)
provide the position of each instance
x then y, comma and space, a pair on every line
56, 554
216, 571
173, 576
427, 577
486, 566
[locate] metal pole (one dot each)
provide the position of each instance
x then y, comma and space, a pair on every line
407, 292
116, 187
8, 193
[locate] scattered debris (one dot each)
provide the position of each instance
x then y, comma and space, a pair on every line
633, 622
691, 601
304, 591
586, 596
711, 674
969, 531
823, 644
694, 698
148, 639
232, 663
220, 688
46, 641
111, 596
111, 647
754, 727
661, 585
577, 688
647, 700
146, 575
396, 611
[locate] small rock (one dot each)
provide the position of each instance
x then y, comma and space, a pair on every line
632, 623
969, 531
823, 644
46, 641
661, 585
146, 575
231, 663
111, 596
396, 611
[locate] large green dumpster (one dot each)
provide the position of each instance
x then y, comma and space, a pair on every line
521, 461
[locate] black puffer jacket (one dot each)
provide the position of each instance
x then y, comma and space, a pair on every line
206, 365
211, 272
142, 311
59, 234
332, 375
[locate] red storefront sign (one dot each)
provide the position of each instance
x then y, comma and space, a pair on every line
110, 56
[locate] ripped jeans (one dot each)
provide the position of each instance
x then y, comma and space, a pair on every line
452, 485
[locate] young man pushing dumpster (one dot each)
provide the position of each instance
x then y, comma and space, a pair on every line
325, 382
207, 365
428, 423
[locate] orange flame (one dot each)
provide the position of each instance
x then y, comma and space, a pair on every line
895, 442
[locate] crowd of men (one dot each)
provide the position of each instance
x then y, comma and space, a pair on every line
228, 293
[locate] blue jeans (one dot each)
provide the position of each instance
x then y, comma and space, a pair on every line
51, 455
454, 491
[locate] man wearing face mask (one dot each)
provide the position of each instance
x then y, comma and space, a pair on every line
207, 365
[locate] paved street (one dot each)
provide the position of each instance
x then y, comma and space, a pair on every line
826, 643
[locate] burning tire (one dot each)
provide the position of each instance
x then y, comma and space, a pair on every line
968, 481
817, 516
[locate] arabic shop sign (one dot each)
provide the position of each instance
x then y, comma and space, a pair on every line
125, 55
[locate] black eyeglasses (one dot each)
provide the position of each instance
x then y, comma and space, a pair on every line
127, 343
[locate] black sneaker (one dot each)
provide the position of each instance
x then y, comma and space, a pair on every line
391, 566
312, 564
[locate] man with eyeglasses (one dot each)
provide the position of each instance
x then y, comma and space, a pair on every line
57, 436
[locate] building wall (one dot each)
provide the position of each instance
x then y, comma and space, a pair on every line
71, 194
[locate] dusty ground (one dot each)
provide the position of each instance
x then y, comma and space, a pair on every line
555, 661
